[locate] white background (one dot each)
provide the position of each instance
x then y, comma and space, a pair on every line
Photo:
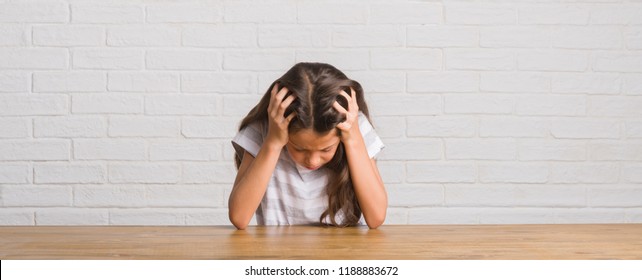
121, 112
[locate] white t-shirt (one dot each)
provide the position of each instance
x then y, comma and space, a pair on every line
295, 195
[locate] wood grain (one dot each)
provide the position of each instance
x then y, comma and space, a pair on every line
602, 241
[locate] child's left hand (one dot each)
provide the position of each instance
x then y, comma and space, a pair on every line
350, 127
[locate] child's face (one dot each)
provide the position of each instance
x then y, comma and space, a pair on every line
311, 150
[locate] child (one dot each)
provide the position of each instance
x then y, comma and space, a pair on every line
305, 153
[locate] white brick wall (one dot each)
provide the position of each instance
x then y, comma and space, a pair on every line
120, 112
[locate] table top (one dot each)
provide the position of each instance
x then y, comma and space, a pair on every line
399, 242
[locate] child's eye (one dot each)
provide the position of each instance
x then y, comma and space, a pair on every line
326, 150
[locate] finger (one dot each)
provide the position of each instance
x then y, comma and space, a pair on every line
274, 90
290, 117
279, 95
353, 94
343, 126
345, 94
339, 108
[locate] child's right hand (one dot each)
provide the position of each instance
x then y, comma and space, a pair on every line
278, 122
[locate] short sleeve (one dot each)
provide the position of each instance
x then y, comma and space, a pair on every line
249, 139
374, 145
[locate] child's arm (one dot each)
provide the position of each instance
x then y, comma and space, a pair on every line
254, 173
364, 173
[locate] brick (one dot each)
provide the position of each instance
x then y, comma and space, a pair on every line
614, 196
14, 35
181, 105
479, 104
439, 82
552, 61
475, 59
415, 195
496, 149
633, 84
16, 217
615, 150
184, 196
258, 60
515, 196
183, 60
440, 172
344, 59
547, 150
36, 196
74, 81
122, 126
15, 127
617, 14
593, 37
209, 217
631, 173
146, 173
34, 150
108, 59
406, 59
337, 12
633, 129
397, 216
513, 173
585, 128
15, 173
406, 13
11, 81
391, 172
633, 38
143, 82
34, 58
111, 103
443, 216
551, 105
67, 127
34, 12
553, 14
146, 216
512, 215
412, 149
68, 35
611, 106
110, 149
276, 36
618, 61
591, 83
225, 82
33, 104
367, 36
188, 150
589, 173
206, 127
221, 36
589, 216
184, 13
272, 11
389, 127
515, 37
239, 106
144, 36
380, 81
442, 36
71, 217
404, 105
514, 127
109, 196
209, 173
107, 13
69, 173
440, 126
515, 82
480, 14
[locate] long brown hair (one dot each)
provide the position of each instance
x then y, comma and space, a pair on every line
317, 86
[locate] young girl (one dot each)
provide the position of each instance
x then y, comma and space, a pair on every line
305, 153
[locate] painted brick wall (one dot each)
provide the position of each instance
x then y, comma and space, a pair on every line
121, 112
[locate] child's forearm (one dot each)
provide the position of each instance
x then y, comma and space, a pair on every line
367, 182
251, 183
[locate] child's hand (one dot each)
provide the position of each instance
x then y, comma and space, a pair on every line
350, 127
278, 123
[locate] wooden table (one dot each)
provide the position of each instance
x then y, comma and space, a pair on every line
617, 241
